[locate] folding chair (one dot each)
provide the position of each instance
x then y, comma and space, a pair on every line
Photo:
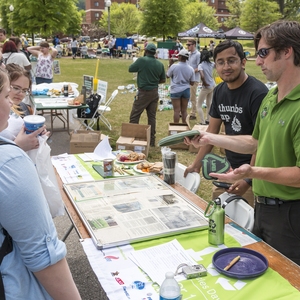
190, 182
88, 117
238, 210
102, 109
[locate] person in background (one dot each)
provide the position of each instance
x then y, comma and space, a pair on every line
45, 56
235, 103
55, 41
204, 51
24, 40
211, 48
151, 72
3, 37
178, 45
59, 49
34, 264
275, 140
145, 45
183, 76
74, 47
205, 68
12, 56
111, 48
20, 47
194, 60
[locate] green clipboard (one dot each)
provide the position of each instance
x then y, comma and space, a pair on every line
177, 138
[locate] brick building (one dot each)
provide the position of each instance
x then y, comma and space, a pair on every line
94, 9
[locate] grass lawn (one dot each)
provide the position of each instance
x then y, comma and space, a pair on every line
115, 72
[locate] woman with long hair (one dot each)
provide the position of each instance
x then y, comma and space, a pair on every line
20, 84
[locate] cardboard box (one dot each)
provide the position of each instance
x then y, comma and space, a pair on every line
84, 141
200, 128
134, 137
175, 128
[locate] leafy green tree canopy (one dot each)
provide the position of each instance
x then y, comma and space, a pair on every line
257, 13
235, 8
124, 19
162, 18
41, 16
199, 12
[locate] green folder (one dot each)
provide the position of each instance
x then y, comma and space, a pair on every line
177, 138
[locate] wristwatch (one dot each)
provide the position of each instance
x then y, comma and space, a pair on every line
248, 180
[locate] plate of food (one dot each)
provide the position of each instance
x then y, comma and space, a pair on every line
130, 158
148, 168
142, 168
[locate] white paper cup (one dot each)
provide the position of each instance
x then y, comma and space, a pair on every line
33, 122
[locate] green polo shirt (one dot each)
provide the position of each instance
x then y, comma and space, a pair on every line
277, 130
150, 72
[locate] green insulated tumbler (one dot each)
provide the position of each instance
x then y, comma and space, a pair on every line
216, 215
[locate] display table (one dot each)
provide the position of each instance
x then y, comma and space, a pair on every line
116, 273
57, 106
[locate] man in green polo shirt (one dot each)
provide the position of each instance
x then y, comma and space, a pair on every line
275, 140
150, 72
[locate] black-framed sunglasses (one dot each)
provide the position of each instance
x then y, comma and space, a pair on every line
263, 52
188, 45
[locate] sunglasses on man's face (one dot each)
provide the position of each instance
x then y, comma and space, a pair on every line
263, 52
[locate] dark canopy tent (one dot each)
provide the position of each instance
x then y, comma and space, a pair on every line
238, 34
201, 31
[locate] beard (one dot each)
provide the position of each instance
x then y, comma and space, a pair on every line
232, 77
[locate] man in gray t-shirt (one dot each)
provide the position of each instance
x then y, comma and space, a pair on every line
194, 60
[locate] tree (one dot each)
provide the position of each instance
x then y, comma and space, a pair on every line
40, 16
162, 18
124, 19
291, 10
81, 5
74, 23
235, 10
257, 13
199, 12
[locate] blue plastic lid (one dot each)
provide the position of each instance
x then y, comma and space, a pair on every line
251, 263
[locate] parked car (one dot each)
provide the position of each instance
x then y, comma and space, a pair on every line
84, 39
65, 39
37, 40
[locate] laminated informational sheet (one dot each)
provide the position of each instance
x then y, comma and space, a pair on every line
120, 211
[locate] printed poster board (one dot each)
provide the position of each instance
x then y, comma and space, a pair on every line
102, 89
88, 81
119, 211
56, 67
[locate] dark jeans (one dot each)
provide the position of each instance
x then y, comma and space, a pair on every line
279, 226
74, 51
40, 80
145, 100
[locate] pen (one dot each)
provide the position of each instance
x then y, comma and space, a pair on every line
235, 260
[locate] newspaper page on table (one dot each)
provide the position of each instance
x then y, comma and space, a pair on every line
130, 209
